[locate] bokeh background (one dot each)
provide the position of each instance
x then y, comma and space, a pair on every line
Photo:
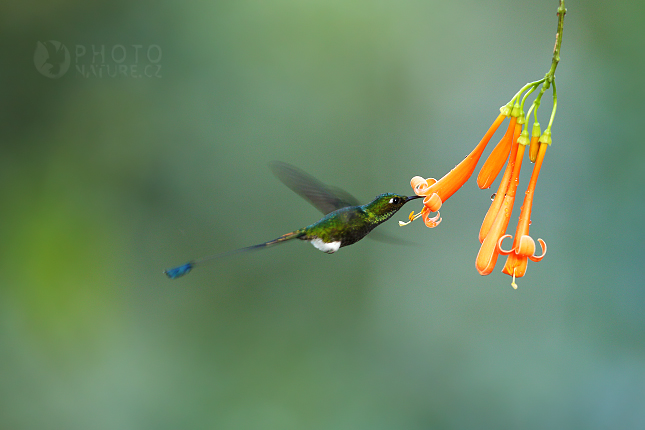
107, 180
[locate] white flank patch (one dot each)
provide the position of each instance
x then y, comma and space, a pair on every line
329, 248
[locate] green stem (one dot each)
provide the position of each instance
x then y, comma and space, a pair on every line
555, 105
524, 88
528, 93
550, 76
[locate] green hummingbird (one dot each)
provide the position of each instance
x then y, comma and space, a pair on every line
345, 221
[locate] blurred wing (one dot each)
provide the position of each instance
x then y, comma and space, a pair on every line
323, 197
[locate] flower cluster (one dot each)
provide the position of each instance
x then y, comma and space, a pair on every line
511, 148
493, 228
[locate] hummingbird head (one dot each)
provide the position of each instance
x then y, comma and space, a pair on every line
385, 205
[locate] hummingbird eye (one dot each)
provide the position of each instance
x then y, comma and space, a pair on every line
395, 200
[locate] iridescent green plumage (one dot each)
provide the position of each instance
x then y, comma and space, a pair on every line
350, 224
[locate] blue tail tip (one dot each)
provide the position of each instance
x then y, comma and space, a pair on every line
178, 271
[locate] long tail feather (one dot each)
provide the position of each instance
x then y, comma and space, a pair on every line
182, 270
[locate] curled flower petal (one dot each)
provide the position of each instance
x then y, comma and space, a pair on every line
416, 182
420, 185
526, 246
539, 257
431, 222
517, 260
499, 245
432, 202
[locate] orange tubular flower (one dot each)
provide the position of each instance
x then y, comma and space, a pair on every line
437, 192
488, 252
501, 190
497, 158
523, 245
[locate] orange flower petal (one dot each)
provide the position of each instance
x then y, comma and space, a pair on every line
539, 257
453, 180
432, 202
499, 245
417, 183
515, 266
488, 252
431, 222
497, 158
495, 206
526, 246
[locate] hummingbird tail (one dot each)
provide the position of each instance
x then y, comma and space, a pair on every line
179, 271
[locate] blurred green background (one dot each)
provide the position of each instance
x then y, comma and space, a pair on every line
105, 181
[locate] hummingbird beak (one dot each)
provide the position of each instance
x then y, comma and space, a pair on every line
407, 199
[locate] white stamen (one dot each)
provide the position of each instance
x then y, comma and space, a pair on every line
513, 284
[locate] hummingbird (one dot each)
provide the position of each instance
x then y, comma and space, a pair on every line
346, 221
